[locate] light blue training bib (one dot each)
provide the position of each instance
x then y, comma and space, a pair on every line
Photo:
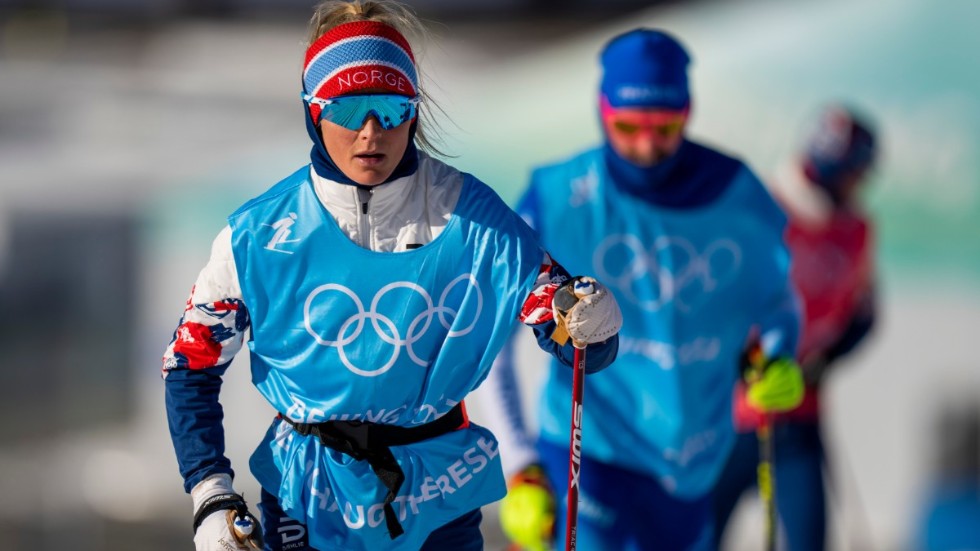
691, 283
344, 333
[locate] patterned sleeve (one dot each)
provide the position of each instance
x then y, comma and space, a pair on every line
208, 336
537, 306
212, 328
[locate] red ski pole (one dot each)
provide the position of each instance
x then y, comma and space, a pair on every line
575, 447
564, 300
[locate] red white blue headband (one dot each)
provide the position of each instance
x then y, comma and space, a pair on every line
356, 56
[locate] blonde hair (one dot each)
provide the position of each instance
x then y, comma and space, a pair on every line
331, 13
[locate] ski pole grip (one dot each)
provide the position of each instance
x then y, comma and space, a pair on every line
565, 298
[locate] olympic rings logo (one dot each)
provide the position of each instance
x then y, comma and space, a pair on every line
385, 328
622, 261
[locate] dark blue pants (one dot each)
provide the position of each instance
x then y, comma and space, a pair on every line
800, 498
285, 534
622, 510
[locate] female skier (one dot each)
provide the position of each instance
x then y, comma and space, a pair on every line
378, 284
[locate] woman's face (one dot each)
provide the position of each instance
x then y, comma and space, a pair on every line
368, 155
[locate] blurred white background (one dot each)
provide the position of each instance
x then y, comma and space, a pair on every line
130, 129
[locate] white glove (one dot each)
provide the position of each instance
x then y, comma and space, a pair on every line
588, 310
230, 526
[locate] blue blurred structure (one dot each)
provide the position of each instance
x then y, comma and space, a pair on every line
950, 516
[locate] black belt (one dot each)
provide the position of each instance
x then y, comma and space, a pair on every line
372, 442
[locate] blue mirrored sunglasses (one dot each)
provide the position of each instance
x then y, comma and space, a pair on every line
351, 112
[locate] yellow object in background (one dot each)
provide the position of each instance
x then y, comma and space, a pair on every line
527, 512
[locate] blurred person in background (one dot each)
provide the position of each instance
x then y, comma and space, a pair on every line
830, 237
691, 244
378, 284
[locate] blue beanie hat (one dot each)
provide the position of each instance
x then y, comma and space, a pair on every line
645, 68
841, 142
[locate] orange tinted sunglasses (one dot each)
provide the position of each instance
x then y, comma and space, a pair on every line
661, 129
631, 122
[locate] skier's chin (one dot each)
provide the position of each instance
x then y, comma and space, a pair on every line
649, 161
